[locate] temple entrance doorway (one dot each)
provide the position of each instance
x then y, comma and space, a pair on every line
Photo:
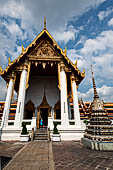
44, 111
44, 116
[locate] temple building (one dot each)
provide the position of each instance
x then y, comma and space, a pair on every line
44, 79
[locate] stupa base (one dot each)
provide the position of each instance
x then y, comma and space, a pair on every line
97, 145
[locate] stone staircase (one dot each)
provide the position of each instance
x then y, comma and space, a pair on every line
41, 134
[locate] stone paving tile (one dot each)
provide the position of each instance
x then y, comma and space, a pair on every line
73, 156
34, 156
9, 149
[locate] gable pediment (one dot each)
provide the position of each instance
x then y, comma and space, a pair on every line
45, 50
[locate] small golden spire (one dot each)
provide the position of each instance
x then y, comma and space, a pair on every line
22, 49
9, 60
45, 22
83, 71
1, 69
76, 63
65, 51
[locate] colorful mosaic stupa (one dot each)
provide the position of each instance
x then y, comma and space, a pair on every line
99, 132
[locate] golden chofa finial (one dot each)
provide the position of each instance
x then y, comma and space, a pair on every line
65, 51
83, 73
1, 69
22, 49
9, 60
45, 22
76, 63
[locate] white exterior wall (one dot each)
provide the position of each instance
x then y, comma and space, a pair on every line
35, 91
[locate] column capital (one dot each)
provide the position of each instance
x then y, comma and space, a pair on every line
25, 67
74, 78
12, 77
62, 66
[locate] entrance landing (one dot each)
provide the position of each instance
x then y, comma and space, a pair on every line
35, 156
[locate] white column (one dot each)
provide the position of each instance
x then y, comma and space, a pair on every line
7, 105
64, 107
75, 104
21, 99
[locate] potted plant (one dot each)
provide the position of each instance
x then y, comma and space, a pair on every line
24, 137
56, 136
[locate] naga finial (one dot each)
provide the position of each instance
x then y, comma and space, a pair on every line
45, 22
22, 49
9, 60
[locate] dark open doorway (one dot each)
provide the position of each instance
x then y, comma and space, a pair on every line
44, 116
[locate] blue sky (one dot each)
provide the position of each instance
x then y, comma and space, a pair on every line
85, 27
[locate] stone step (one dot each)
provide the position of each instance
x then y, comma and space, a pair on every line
41, 138
41, 134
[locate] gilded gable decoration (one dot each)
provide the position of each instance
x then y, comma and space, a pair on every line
44, 50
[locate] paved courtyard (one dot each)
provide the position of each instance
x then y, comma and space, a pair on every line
34, 156
73, 156
64, 155
8, 150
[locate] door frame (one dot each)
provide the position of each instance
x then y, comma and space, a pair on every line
44, 105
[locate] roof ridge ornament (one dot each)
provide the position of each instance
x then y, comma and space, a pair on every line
45, 22
83, 73
94, 85
9, 60
65, 51
76, 63
1, 70
22, 49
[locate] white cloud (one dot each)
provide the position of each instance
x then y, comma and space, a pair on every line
13, 28
103, 41
104, 92
57, 12
99, 52
110, 23
81, 62
81, 41
104, 66
65, 36
17, 52
104, 14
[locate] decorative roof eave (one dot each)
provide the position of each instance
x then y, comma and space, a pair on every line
33, 43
